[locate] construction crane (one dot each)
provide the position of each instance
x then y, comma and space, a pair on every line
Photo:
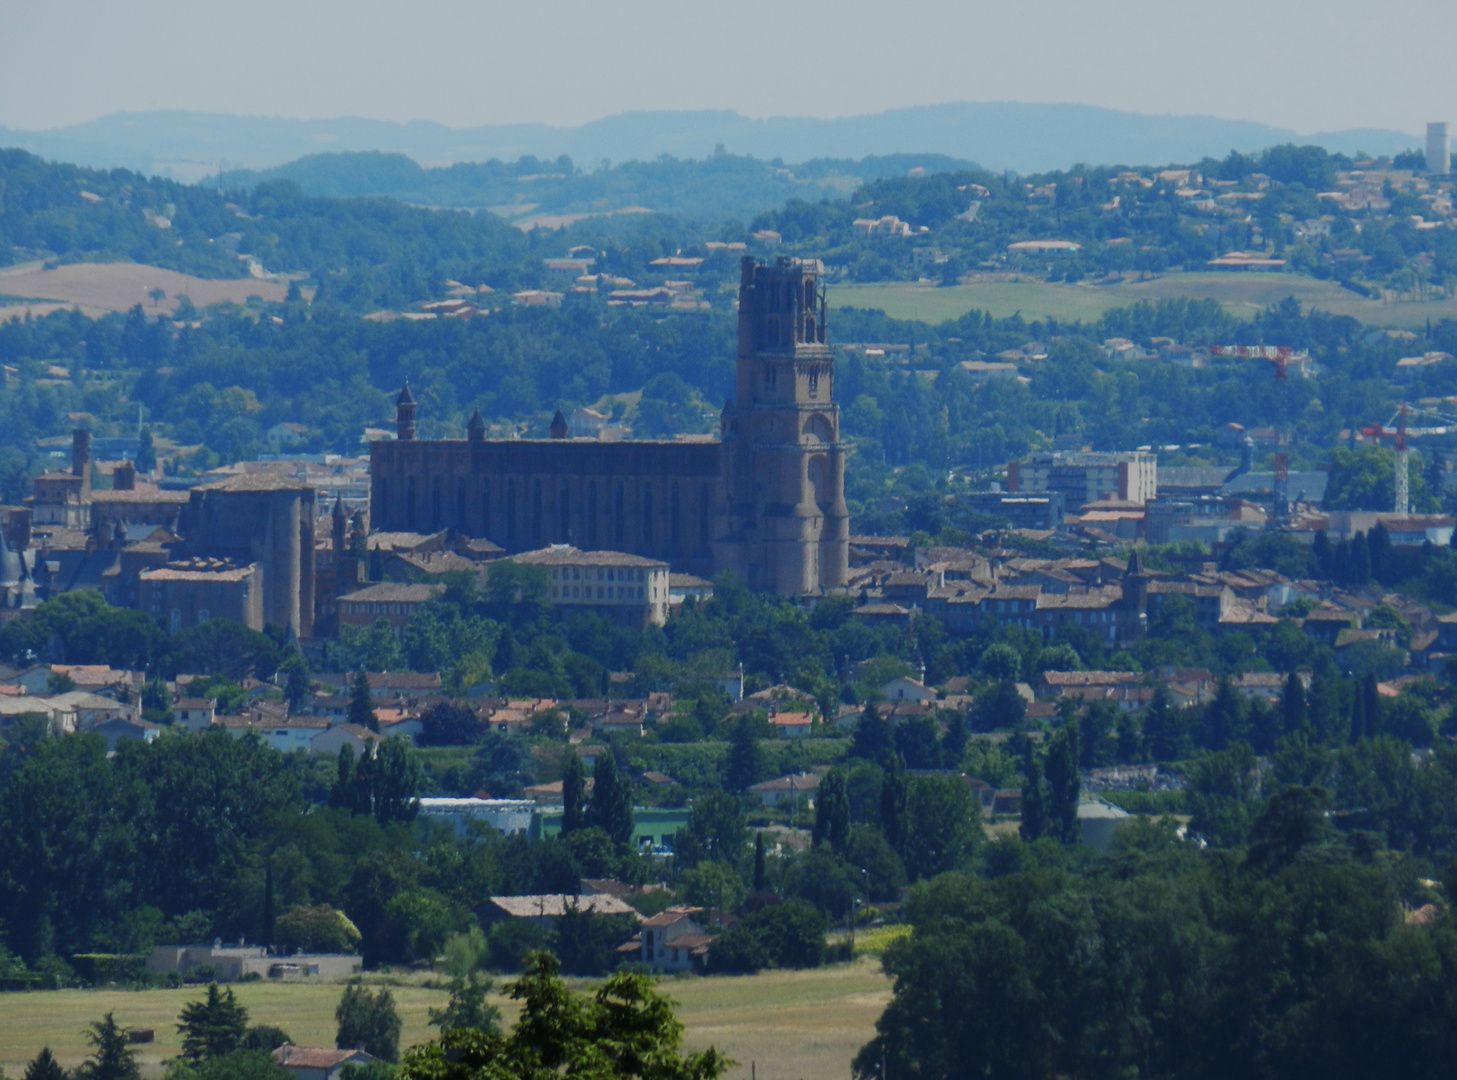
1401, 433
1282, 357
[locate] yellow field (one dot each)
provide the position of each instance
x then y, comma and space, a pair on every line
97, 288
1242, 294
785, 1025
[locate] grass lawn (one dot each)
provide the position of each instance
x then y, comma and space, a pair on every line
791, 1025
1242, 294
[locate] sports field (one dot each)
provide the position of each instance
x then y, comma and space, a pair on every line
1242, 294
783, 1025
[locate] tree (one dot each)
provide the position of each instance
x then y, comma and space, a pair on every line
467, 1008
368, 1021
396, 780
1292, 703
317, 928
872, 737
44, 1066
361, 704
296, 689
585, 941
1063, 784
745, 761
112, 1057
212, 1027
1034, 793
265, 1037
761, 880
716, 832
574, 788
624, 1030
146, 459
611, 809
832, 812
939, 825
894, 791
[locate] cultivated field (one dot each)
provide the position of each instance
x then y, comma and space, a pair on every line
1242, 294
97, 288
784, 1025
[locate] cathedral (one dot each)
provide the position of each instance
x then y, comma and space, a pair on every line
766, 501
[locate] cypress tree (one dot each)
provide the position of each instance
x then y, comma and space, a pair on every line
1372, 704
574, 797
1292, 702
1359, 729
894, 793
1320, 548
361, 703
1360, 560
832, 813
745, 762
213, 1027
1034, 796
45, 1067
612, 801
760, 879
1063, 784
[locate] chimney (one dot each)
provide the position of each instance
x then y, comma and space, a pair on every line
124, 477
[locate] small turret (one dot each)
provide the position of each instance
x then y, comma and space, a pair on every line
476, 430
558, 426
405, 414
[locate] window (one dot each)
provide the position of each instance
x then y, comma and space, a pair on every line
814, 383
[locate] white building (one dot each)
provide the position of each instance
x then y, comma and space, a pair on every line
628, 588
506, 816
1085, 477
1439, 151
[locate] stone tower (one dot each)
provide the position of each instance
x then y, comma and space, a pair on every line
786, 527
405, 414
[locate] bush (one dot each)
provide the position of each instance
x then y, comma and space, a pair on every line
319, 928
510, 941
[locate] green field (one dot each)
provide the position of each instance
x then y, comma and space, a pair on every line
787, 1025
1242, 294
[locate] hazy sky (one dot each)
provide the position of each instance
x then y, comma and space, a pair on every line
1314, 65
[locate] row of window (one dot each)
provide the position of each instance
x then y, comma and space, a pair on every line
359, 608
604, 592
604, 573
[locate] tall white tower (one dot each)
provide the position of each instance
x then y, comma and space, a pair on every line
1439, 149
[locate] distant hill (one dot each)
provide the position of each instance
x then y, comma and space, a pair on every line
1002, 135
721, 187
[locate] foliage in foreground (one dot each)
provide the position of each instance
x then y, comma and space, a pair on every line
1290, 958
624, 1029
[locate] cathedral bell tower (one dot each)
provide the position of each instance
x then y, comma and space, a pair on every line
786, 525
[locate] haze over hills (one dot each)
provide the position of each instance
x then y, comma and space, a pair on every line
1003, 135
